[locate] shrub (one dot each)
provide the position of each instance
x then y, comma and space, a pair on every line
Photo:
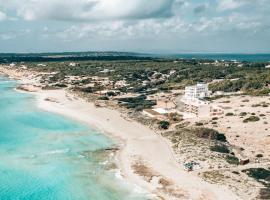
258, 173
215, 118
242, 114
229, 114
232, 160
103, 98
251, 119
226, 101
220, 149
60, 85
138, 103
199, 124
235, 172
164, 124
259, 156
207, 132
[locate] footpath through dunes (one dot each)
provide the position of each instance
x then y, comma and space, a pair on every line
145, 158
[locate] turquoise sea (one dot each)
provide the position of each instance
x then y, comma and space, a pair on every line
44, 156
219, 56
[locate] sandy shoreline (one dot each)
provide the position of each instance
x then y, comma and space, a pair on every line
139, 146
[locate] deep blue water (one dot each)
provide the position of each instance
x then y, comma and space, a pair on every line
44, 156
221, 56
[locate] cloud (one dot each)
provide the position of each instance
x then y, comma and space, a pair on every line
3, 16
7, 36
231, 4
91, 10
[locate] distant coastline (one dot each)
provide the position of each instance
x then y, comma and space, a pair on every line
118, 56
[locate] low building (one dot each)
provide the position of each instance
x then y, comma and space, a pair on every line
41, 65
73, 64
197, 107
12, 65
267, 67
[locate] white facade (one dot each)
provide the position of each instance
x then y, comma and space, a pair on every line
198, 91
197, 107
73, 64
193, 103
12, 65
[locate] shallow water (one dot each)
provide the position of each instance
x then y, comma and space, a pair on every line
44, 156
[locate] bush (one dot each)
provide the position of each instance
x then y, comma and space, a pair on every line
199, 124
229, 114
242, 114
258, 173
207, 132
60, 85
103, 98
220, 149
138, 103
232, 160
251, 119
259, 156
164, 125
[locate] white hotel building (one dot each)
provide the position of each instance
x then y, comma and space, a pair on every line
195, 92
194, 103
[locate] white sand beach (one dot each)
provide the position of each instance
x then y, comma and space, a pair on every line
139, 146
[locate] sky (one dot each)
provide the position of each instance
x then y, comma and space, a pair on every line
150, 26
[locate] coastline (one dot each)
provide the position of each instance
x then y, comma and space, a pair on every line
138, 146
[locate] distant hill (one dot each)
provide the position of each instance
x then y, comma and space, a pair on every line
71, 56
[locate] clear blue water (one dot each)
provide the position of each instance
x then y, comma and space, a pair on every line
44, 156
221, 56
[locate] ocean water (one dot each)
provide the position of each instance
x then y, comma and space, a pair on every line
44, 156
220, 56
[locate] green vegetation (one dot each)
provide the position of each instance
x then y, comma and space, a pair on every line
138, 103
164, 74
198, 123
232, 160
220, 149
164, 125
263, 176
229, 114
258, 173
242, 114
210, 133
251, 119
103, 98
